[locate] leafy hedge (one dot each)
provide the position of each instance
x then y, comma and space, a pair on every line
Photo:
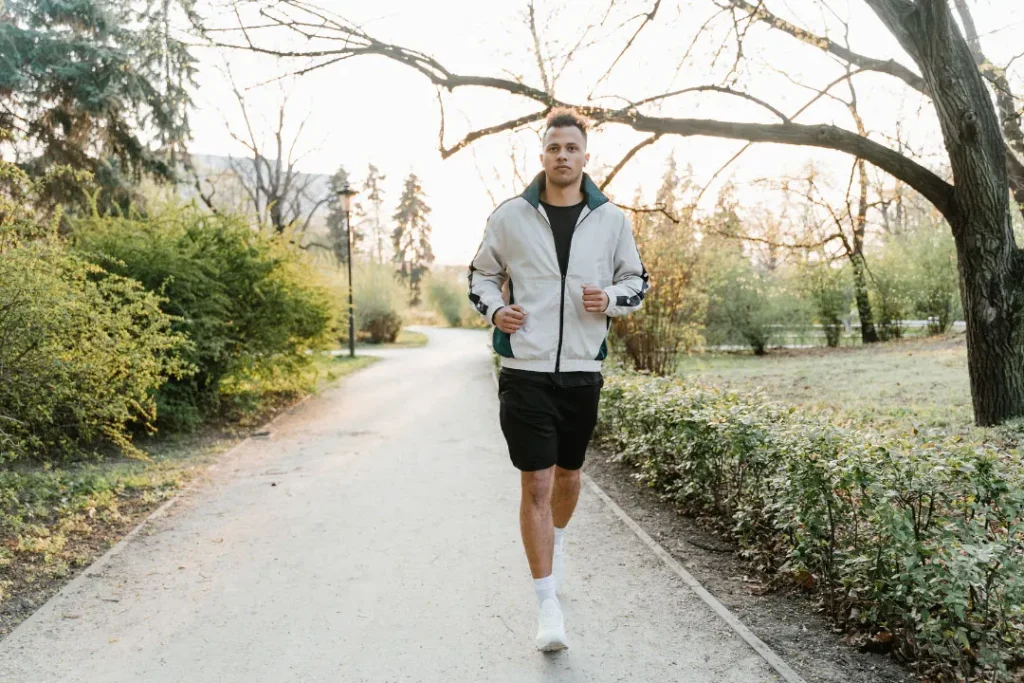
81, 353
247, 303
923, 540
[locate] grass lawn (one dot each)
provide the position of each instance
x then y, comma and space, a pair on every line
921, 383
56, 520
332, 368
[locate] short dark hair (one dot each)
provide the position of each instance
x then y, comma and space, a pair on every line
564, 117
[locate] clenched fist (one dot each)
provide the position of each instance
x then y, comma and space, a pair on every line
509, 319
595, 300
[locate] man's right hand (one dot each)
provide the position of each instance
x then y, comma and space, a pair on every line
509, 319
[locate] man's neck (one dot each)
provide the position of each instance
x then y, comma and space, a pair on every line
562, 196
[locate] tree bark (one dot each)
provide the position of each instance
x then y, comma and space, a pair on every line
988, 259
868, 333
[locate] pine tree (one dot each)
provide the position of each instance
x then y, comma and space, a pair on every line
411, 237
336, 218
87, 83
375, 198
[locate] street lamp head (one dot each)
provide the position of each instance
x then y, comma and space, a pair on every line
346, 192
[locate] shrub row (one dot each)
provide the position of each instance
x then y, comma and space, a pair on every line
137, 322
81, 353
923, 540
248, 304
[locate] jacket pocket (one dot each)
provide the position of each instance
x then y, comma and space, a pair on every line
537, 339
585, 332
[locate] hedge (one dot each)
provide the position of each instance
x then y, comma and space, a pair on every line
921, 539
249, 305
82, 352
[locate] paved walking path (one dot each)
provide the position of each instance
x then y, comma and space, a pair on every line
387, 551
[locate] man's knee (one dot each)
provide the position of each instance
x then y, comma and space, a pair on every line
567, 480
537, 487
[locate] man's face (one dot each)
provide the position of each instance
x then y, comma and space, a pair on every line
565, 155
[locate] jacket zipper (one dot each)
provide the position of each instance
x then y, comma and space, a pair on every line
561, 302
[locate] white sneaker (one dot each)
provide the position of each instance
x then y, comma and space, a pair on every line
558, 568
550, 627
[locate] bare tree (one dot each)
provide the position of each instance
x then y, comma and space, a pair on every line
980, 144
838, 228
281, 195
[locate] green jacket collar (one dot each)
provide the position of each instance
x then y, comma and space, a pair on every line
593, 195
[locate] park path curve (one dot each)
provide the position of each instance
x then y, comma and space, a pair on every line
373, 537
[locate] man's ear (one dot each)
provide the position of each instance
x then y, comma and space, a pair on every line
586, 158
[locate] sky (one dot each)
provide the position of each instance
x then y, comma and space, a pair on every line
371, 110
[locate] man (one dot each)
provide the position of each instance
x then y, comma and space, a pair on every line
571, 264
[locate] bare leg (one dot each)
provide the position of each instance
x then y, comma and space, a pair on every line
535, 520
566, 493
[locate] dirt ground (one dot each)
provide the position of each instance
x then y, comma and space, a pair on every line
789, 623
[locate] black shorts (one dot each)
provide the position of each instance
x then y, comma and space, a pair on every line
545, 422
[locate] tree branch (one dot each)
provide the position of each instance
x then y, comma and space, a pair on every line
648, 18
648, 209
937, 190
484, 132
625, 160
891, 66
532, 23
714, 88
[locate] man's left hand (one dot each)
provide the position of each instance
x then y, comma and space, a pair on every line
595, 300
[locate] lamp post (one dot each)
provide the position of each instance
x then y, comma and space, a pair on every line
346, 193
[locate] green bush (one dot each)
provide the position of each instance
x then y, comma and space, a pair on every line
83, 352
892, 290
931, 256
249, 304
750, 306
379, 298
920, 538
830, 292
446, 296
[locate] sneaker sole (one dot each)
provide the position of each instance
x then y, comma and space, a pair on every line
554, 647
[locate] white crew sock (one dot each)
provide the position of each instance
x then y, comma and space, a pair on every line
559, 539
545, 589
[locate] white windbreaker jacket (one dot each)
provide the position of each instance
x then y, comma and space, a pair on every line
518, 245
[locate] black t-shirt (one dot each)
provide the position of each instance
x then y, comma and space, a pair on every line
563, 223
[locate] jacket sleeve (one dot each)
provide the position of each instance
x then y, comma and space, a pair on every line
630, 280
487, 273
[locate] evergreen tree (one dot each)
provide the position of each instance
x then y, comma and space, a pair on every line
336, 218
375, 197
86, 83
411, 237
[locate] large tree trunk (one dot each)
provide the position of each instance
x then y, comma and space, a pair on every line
988, 259
991, 298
